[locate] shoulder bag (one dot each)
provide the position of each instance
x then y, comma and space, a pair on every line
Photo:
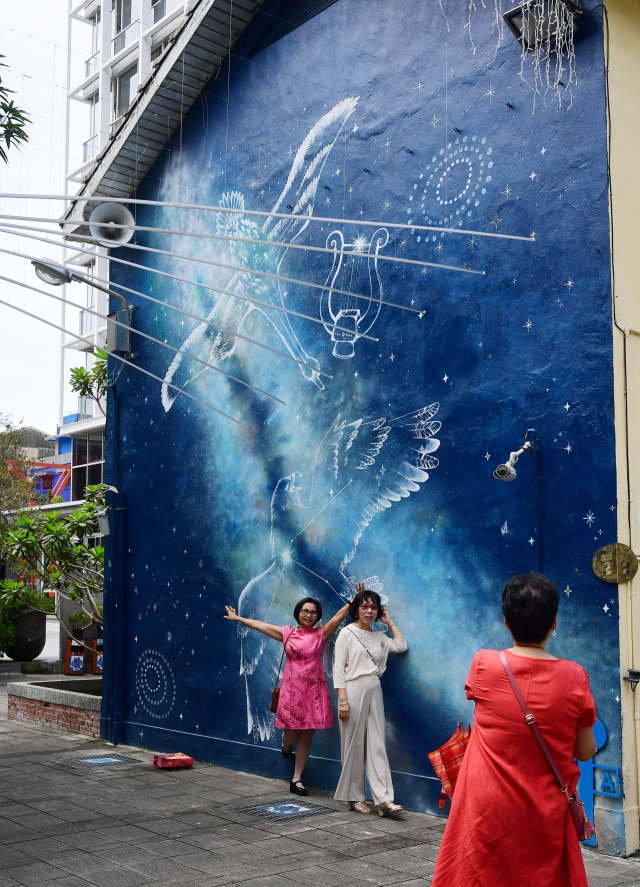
584, 827
275, 693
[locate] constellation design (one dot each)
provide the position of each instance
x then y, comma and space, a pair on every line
229, 311
452, 185
346, 477
156, 684
357, 270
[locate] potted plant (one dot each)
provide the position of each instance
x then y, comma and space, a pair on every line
23, 622
79, 622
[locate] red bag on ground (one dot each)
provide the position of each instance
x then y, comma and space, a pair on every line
447, 761
175, 760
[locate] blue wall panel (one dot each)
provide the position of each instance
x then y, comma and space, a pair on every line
374, 94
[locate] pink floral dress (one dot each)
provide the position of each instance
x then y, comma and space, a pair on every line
304, 697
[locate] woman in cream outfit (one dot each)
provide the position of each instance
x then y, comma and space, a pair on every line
360, 659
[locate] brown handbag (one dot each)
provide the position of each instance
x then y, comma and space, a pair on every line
584, 827
275, 693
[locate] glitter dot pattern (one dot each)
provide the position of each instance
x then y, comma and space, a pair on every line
156, 684
461, 155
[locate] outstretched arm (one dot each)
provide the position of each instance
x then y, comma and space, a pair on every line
272, 631
400, 643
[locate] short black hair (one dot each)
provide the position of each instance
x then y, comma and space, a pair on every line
362, 596
530, 604
308, 600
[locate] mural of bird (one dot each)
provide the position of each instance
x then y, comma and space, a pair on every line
350, 486
229, 311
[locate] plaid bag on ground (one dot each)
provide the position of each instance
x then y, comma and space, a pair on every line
447, 761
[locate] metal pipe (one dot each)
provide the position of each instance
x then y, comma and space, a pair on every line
151, 249
18, 233
255, 212
186, 314
314, 249
140, 333
127, 362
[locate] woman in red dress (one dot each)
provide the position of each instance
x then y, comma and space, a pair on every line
510, 824
304, 704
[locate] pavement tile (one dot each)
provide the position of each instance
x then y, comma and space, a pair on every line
78, 863
166, 827
31, 875
42, 848
425, 851
210, 863
316, 876
67, 881
168, 848
125, 833
400, 861
116, 877
209, 841
365, 870
87, 840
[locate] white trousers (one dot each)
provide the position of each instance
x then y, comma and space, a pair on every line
363, 744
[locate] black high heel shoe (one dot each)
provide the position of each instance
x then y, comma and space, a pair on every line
297, 788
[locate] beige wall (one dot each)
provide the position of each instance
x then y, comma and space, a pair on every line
624, 100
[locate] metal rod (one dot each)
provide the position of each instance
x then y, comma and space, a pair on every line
263, 213
127, 362
18, 233
150, 249
186, 314
315, 249
140, 333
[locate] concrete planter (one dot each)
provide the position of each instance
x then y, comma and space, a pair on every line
71, 704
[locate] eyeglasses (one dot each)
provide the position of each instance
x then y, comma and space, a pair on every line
309, 612
368, 606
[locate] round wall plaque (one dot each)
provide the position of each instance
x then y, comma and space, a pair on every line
615, 563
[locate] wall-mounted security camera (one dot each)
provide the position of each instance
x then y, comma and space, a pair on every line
507, 470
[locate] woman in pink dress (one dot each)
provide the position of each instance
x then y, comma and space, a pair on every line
304, 705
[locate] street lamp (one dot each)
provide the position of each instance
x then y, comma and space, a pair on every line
118, 337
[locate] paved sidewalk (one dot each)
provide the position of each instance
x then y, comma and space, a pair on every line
123, 825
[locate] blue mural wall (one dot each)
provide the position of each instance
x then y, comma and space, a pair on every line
378, 465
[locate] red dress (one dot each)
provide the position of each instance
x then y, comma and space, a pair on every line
304, 697
510, 824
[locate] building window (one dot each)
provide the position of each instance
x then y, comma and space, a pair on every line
87, 462
124, 92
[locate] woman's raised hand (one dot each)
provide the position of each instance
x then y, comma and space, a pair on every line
385, 618
359, 587
231, 614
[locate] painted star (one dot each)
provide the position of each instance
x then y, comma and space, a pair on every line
495, 221
439, 247
392, 358
488, 455
490, 93
472, 241
350, 190
403, 243
567, 591
544, 151
182, 322
507, 192
567, 406
387, 144
531, 540
420, 315
617, 698
528, 326
327, 201
445, 377
569, 283
331, 493
336, 173
515, 280
356, 374
613, 508
424, 270
532, 176
297, 417
590, 517
568, 448
606, 608
355, 128
533, 234
386, 204
413, 301
434, 121
418, 87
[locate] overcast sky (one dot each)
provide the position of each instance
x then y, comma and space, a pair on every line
33, 39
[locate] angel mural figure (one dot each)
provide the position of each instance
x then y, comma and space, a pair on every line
298, 197
359, 471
